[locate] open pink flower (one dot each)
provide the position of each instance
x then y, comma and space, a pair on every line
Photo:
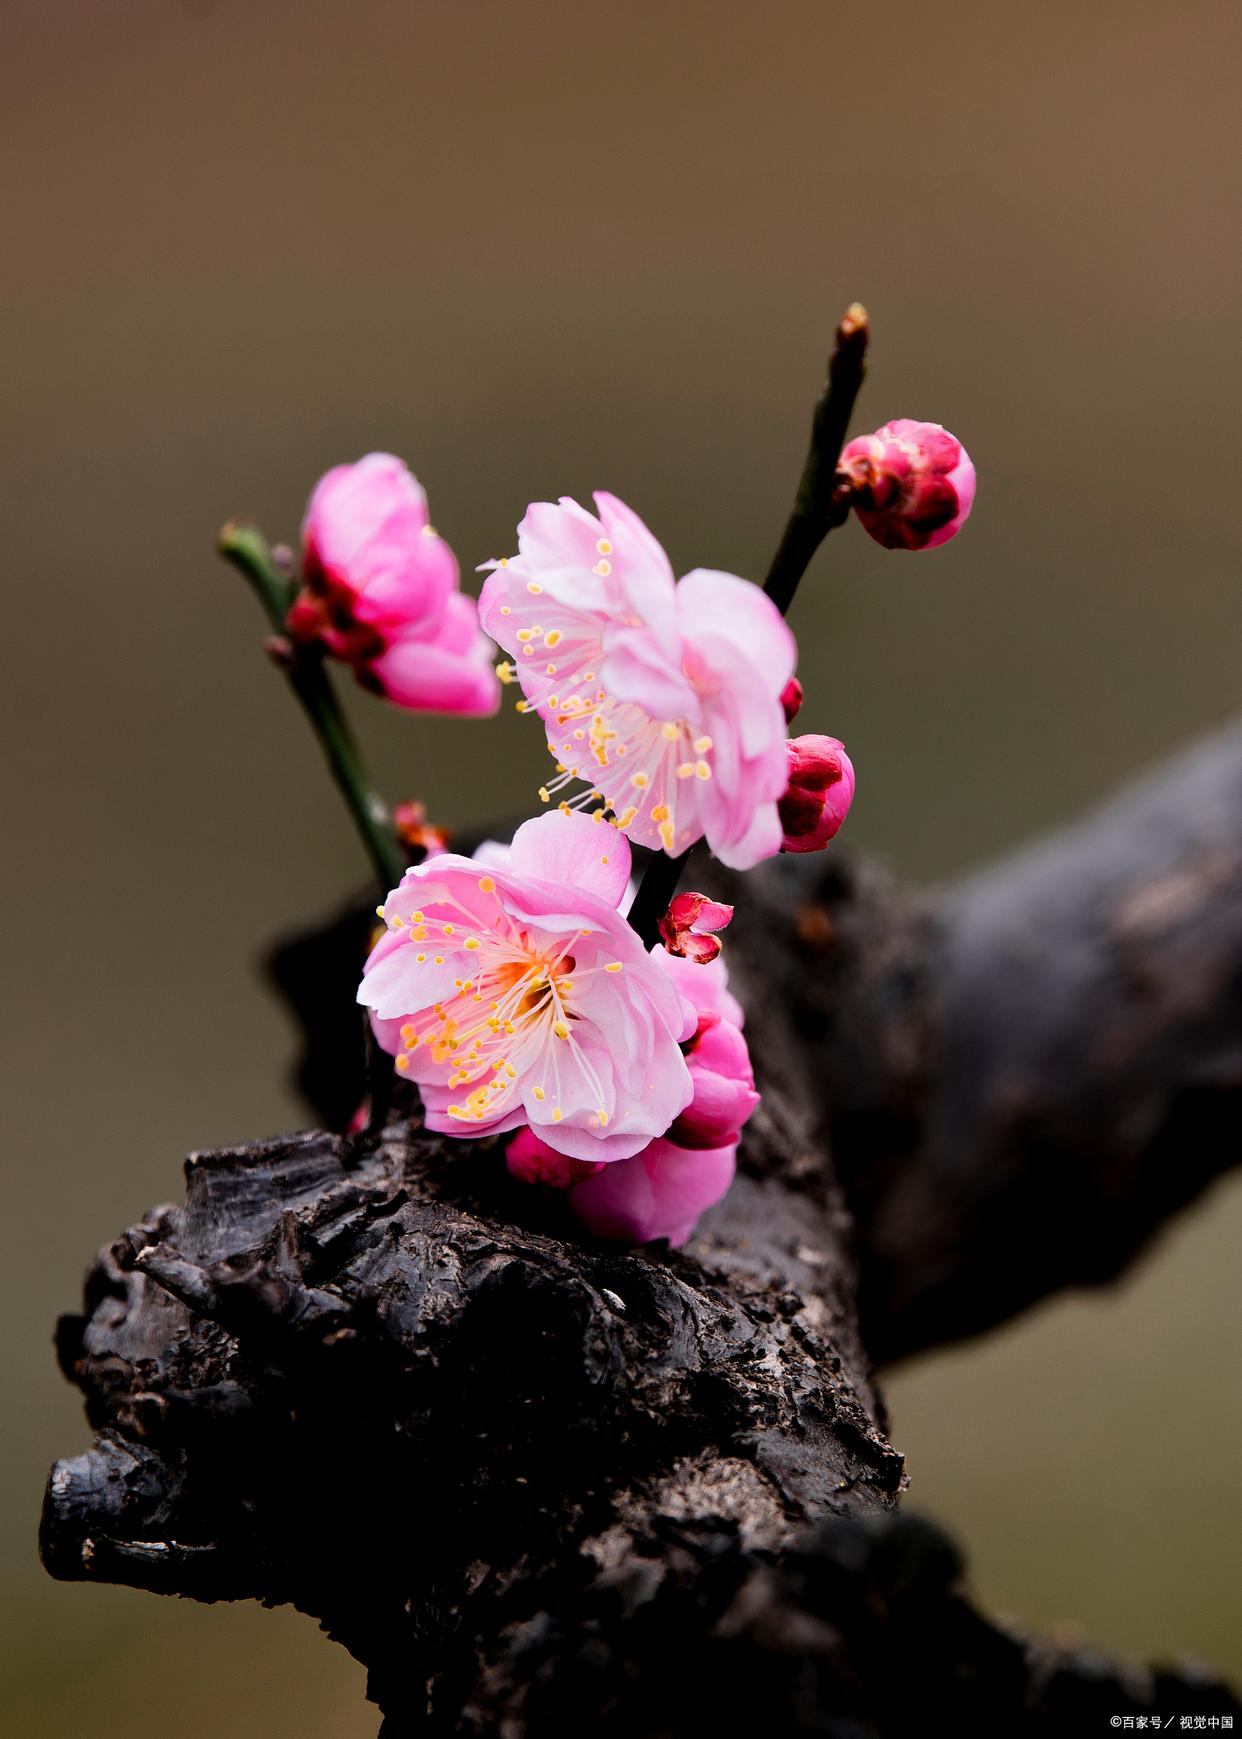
912, 483
663, 696
517, 993
381, 592
821, 790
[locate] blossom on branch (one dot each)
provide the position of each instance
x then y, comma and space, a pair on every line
380, 591
662, 698
912, 484
821, 789
516, 993
689, 926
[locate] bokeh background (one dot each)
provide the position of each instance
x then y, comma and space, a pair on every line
542, 248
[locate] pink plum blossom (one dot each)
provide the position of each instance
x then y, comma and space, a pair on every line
821, 789
516, 993
690, 926
380, 591
663, 696
912, 484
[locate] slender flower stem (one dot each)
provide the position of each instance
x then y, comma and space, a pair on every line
248, 551
819, 506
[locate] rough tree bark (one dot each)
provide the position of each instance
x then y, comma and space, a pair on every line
540, 1486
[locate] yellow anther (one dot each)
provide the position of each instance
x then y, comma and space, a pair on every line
553, 637
540, 1094
557, 1114
626, 816
641, 781
686, 770
534, 586
403, 1063
545, 796
397, 921
660, 812
613, 966
505, 609
603, 547
702, 745
603, 569
439, 960
670, 731
472, 942
379, 911
666, 835
420, 957
702, 771
486, 885
560, 1029
448, 929
417, 918
523, 706
506, 672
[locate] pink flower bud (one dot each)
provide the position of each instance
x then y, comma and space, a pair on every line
688, 915
724, 1086
791, 699
419, 836
659, 1193
381, 592
532, 1161
821, 789
912, 484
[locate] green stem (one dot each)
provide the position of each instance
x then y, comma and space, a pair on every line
818, 507
248, 551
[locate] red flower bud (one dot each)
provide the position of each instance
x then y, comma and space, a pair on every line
531, 1160
821, 789
791, 699
912, 484
687, 916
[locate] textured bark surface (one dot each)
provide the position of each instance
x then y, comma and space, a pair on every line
539, 1485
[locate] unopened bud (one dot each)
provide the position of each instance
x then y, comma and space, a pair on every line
821, 789
531, 1160
791, 699
912, 484
418, 835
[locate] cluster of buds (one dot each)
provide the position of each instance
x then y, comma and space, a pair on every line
380, 592
912, 484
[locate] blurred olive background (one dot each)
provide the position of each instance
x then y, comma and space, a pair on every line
541, 248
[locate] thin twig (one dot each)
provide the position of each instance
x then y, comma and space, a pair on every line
818, 506
248, 552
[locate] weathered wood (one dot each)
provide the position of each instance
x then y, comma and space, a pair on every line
540, 1485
